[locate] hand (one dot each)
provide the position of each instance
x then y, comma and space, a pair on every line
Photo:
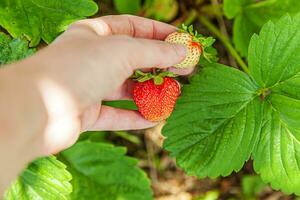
49, 98
91, 62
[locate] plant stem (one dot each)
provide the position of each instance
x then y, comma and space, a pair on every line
191, 17
223, 30
225, 41
127, 136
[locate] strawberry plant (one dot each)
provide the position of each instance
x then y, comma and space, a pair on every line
234, 116
222, 118
250, 15
38, 20
13, 49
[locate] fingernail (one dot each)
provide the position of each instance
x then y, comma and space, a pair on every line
181, 50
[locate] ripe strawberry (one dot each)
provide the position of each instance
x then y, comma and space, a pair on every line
194, 42
156, 97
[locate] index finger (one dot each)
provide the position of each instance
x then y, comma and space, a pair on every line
129, 25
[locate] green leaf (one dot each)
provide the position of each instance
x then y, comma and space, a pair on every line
233, 8
93, 136
210, 195
123, 104
277, 156
102, 171
13, 49
38, 19
128, 6
216, 122
274, 56
45, 178
224, 116
243, 29
249, 16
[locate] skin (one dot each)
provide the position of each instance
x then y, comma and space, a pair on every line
47, 100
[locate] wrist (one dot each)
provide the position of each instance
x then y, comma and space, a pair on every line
60, 102
23, 115
22, 118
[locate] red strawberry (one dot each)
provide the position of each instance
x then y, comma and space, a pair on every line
194, 42
156, 101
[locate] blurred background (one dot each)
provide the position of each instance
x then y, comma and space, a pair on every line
232, 25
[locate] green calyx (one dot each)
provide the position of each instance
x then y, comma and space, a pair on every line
205, 42
157, 75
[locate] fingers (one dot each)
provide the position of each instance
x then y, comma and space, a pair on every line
112, 119
122, 93
90, 116
125, 91
128, 25
182, 72
146, 53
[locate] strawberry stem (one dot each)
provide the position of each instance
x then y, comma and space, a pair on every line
225, 41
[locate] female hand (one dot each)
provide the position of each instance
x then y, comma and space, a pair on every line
61, 87
91, 62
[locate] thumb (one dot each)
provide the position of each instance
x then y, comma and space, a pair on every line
147, 53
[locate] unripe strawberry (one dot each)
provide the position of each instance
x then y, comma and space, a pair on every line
156, 98
194, 42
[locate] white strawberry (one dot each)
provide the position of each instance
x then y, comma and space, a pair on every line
194, 42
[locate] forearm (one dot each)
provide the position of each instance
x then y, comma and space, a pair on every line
22, 117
